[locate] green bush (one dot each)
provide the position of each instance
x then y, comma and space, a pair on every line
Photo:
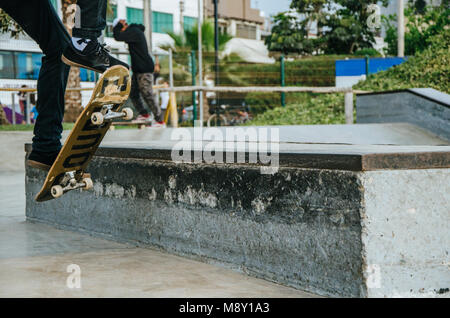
430, 68
311, 109
368, 52
420, 28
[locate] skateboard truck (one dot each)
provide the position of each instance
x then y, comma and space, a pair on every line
72, 181
107, 115
68, 170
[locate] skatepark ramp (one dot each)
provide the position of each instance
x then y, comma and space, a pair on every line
334, 219
424, 107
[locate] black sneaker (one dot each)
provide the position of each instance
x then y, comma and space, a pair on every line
94, 57
42, 160
113, 61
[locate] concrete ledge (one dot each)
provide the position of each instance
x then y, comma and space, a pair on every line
424, 107
314, 156
339, 230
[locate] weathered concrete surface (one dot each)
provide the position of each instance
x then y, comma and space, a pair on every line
406, 232
303, 227
34, 259
425, 108
371, 134
298, 228
364, 134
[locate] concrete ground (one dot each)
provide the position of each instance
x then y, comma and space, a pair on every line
34, 259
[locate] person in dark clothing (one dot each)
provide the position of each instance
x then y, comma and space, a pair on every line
40, 21
143, 67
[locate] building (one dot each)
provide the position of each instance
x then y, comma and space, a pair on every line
246, 25
20, 59
237, 18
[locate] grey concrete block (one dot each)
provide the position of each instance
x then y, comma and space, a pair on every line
330, 232
426, 108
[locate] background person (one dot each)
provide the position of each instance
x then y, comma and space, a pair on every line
164, 96
143, 67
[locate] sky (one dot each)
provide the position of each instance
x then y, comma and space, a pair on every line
271, 7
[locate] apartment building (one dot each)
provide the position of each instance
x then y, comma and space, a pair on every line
238, 18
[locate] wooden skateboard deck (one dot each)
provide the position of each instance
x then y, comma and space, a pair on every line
139, 124
68, 171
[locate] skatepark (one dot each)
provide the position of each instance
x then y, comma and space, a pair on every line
350, 210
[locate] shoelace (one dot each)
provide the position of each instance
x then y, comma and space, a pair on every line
102, 51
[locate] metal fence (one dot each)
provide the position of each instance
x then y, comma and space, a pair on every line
251, 86
233, 71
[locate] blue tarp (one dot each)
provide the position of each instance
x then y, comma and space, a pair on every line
357, 67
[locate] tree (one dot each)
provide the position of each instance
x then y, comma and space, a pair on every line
420, 27
419, 6
289, 35
73, 107
342, 26
8, 25
188, 40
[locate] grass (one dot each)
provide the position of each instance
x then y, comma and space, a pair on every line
66, 126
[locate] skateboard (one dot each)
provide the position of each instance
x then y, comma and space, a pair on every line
139, 124
68, 171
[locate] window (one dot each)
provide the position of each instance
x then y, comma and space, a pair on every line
162, 22
135, 16
55, 4
7, 65
27, 65
87, 75
246, 31
111, 14
189, 23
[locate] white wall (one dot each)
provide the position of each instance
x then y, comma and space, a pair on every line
349, 81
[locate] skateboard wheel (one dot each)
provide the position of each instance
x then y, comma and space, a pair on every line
88, 183
97, 118
128, 113
57, 191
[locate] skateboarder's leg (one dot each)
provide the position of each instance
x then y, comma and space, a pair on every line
145, 81
135, 96
92, 19
40, 22
85, 50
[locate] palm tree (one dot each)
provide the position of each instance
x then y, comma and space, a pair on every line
73, 105
188, 40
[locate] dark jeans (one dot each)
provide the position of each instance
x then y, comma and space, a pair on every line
92, 17
41, 22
